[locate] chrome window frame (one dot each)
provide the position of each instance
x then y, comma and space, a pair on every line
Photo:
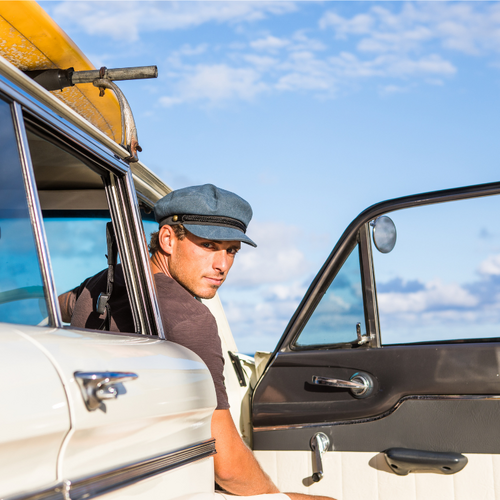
122, 199
35, 211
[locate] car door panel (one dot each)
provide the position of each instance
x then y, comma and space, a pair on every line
159, 421
286, 395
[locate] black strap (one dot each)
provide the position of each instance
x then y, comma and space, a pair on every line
103, 300
205, 220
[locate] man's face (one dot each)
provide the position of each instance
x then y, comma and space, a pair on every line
200, 265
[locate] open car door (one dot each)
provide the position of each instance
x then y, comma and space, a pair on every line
386, 382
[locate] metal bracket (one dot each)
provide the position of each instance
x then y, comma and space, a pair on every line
129, 140
236, 362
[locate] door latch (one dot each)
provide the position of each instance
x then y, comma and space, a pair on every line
320, 443
97, 387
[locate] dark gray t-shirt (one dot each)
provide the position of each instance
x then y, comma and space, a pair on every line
187, 321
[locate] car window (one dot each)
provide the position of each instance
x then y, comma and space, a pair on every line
75, 212
341, 308
22, 297
442, 279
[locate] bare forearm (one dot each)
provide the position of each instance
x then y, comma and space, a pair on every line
243, 476
236, 469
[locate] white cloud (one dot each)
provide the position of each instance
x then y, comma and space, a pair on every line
257, 322
301, 42
249, 74
436, 295
266, 284
188, 50
215, 83
490, 266
127, 20
359, 24
349, 65
269, 43
261, 62
394, 89
413, 42
279, 258
471, 28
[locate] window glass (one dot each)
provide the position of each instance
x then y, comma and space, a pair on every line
77, 244
21, 287
341, 308
442, 280
149, 224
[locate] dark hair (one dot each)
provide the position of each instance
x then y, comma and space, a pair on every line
154, 242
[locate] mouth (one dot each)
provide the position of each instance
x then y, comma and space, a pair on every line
215, 281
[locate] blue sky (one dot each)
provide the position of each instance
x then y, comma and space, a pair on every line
311, 111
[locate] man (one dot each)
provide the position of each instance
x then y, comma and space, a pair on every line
200, 232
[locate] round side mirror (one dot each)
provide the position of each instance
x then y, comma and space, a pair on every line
384, 233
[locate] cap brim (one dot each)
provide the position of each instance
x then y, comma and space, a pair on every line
219, 233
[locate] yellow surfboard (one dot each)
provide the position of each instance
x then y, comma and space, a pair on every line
31, 40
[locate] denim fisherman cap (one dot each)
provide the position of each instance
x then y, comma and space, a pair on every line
206, 211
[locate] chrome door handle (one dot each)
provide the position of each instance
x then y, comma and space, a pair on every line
320, 443
360, 384
96, 387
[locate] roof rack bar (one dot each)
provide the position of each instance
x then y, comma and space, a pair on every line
136, 73
58, 79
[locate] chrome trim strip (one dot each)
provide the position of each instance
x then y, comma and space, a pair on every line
99, 484
36, 218
123, 239
368, 286
149, 299
135, 257
83, 489
56, 492
376, 417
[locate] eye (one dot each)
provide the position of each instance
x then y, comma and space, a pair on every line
207, 244
232, 251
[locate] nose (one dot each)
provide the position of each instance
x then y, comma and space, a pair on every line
221, 261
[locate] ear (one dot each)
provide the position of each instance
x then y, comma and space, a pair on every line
167, 239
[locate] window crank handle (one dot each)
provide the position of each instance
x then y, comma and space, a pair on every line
319, 445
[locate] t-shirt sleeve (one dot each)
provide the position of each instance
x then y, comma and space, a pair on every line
200, 335
67, 301
66, 304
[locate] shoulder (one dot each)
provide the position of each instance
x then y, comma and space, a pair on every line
181, 313
177, 299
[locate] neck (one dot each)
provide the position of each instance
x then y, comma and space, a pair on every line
159, 264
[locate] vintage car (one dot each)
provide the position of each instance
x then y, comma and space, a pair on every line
390, 392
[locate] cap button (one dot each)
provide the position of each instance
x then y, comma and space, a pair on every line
175, 218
